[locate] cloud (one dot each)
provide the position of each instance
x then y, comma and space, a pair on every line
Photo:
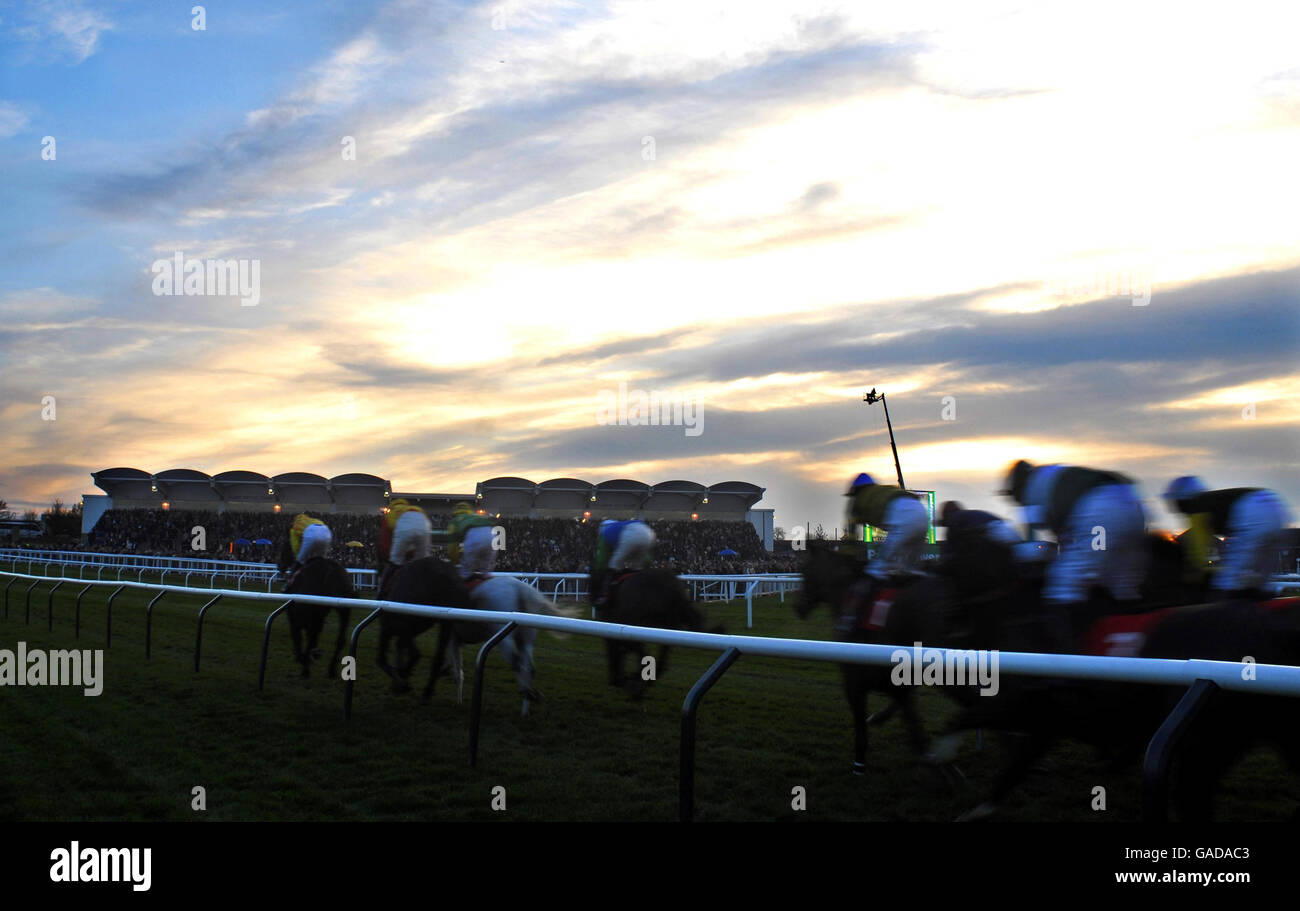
11, 119
62, 29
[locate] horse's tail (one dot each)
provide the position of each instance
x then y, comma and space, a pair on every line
532, 601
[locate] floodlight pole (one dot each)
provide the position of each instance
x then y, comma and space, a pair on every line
871, 398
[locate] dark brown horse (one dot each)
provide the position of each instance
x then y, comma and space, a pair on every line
654, 598
318, 576
895, 612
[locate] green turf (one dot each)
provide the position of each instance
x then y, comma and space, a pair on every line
586, 753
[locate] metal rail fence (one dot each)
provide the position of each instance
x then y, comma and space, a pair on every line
1202, 678
703, 587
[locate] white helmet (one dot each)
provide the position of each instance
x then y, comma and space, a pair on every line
1189, 485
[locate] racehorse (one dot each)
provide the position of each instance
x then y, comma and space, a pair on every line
428, 580
918, 610
431, 580
508, 595
653, 598
1121, 718
318, 576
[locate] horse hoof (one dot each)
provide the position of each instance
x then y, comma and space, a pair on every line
979, 814
859, 768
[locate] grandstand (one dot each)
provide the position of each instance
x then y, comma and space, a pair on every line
551, 524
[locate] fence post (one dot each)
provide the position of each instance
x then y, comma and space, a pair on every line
49, 604
108, 617
11, 582
476, 702
76, 628
352, 653
1164, 747
266, 642
198, 640
686, 780
148, 625
29, 600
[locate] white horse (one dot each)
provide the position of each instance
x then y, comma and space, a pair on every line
506, 594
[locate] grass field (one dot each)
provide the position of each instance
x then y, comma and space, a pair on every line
586, 753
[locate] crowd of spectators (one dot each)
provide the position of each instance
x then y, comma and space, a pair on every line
531, 545
226, 535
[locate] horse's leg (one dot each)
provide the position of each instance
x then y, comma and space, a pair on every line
414, 650
614, 651
634, 685
1026, 753
385, 634
295, 634
906, 702
314, 629
661, 666
341, 642
525, 669
439, 656
311, 651
856, 691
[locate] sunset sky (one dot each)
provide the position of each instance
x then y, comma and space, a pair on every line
1078, 221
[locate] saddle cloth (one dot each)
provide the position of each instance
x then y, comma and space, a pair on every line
1123, 635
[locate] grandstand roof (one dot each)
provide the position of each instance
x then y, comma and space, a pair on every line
189, 485
504, 494
621, 494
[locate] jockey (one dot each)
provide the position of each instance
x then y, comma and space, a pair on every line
308, 537
899, 514
1250, 519
469, 542
408, 539
980, 550
395, 510
1100, 529
620, 546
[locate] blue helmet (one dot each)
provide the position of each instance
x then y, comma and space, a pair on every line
1189, 485
862, 480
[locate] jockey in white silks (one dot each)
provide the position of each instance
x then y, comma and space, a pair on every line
316, 540
621, 546
1251, 521
1100, 530
411, 538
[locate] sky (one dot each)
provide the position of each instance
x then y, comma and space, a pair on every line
1064, 232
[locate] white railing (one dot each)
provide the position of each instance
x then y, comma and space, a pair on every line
1263, 679
139, 564
702, 587
1200, 676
